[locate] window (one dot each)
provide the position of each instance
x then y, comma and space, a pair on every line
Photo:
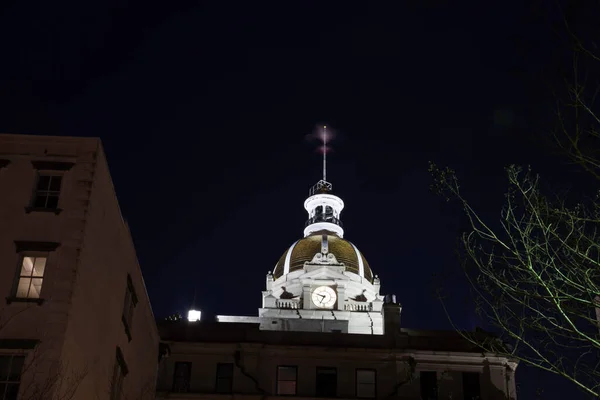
181, 377
318, 211
326, 382
366, 383
328, 213
128, 306
224, 378
429, 389
47, 191
31, 277
119, 372
471, 389
10, 376
286, 380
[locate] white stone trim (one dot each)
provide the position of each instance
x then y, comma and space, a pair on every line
324, 226
361, 265
324, 200
288, 256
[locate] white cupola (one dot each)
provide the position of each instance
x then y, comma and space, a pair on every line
324, 210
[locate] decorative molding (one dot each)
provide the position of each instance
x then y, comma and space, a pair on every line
22, 246
12, 299
18, 344
325, 259
4, 163
52, 165
56, 211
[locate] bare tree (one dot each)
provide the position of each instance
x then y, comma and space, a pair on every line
535, 278
576, 87
535, 274
41, 376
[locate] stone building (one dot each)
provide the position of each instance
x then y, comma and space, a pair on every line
325, 330
75, 319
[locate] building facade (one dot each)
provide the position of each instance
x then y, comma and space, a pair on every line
325, 330
205, 360
75, 318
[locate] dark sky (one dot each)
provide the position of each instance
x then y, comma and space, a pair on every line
203, 109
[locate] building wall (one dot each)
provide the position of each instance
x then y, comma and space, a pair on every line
260, 361
78, 326
107, 257
46, 322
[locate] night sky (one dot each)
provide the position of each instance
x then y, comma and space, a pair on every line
204, 108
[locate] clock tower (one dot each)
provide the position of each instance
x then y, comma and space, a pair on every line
322, 282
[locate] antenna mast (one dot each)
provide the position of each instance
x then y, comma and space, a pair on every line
325, 153
322, 186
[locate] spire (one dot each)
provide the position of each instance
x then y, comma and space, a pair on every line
323, 208
325, 153
322, 186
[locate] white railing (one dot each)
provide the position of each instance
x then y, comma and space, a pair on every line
352, 306
290, 304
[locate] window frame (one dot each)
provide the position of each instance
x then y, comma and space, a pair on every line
277, 380
219, 378
48, 168
6, 380
46, 192
31, 249
120, 371
130, 301
356, 371
335, 373
189, 377
421, 385
471, 373
19, 275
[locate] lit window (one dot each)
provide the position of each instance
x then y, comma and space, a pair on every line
119, 372
47, 191
224, 378
31, 277
428, 381
128, 306
286, 380
471, 388
181, 377
365, 383
326, 382
10, 376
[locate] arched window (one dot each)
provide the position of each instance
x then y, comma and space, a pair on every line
328, 213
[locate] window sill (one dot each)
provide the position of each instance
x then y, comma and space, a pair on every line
12, 299
38, 209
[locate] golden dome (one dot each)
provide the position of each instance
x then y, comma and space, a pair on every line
305, 249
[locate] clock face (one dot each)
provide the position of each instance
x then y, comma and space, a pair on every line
324, 297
